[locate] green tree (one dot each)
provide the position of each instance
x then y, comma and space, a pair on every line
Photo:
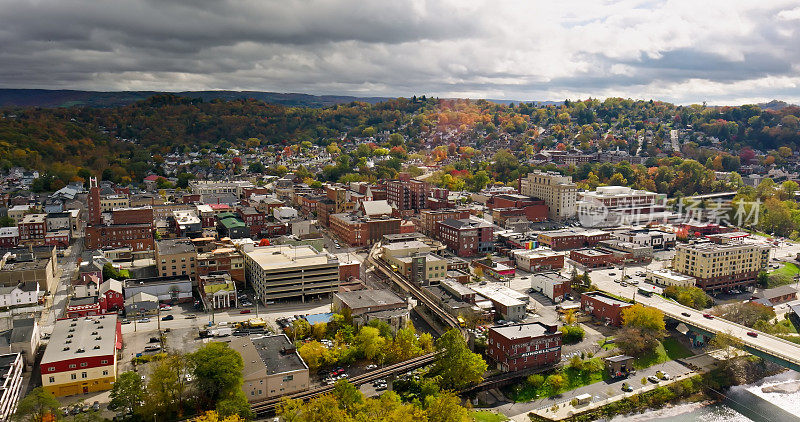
370, 343
691, 296
555, 382
572, 334
536, 381
457, 366
218, 372
36, 406
314, 354
128, 392
290, 409
235, 404
6, 221
445, 407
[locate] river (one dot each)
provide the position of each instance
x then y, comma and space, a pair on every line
743, 404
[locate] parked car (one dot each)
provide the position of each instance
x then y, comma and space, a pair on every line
125, 321
686, 314
626, 387
665, 376
752, 334
709, 316
168, 318
371, 367
166, 308
244, 311
96, 406
623, 284
191, 316
86, 407
143, 320
612, 274
653, 379
155, 340
152, 348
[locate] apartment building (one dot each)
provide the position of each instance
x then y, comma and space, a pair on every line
82, 355
407, 194
556, 190
285, 271
466, 237
429, 218
32, 228
176, 257
358, 231
720, 267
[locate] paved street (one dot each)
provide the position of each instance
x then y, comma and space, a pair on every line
67, 266
600, 390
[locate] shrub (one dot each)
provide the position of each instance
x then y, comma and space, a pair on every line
572, 334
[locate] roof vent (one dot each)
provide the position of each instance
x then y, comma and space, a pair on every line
66, 348
80, 350
97, 346
99, 338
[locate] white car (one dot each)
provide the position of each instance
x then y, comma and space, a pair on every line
371, 367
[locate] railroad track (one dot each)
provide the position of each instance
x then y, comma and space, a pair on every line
269, 406
448, 319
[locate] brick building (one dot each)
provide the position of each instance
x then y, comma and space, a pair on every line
466, 237
32, 228
429, 218
551, 284
524, 346
532, 260
362, 231
594, 258
603, 307
407, 194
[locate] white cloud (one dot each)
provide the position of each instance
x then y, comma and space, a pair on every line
683, 51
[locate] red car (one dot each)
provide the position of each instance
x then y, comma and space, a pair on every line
752, 334
244, 311
709, 316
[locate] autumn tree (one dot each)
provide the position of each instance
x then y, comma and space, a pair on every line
457, 366
38, 406
643, 328
128, 392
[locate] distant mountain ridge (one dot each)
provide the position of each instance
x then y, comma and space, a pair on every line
67, 98
774, 105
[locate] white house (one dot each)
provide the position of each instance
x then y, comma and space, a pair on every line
23, 294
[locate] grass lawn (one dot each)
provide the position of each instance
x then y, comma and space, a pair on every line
606, 346
669, 349
783, 275
572, 379
487, 416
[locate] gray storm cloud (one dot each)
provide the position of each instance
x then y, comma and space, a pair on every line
724, 52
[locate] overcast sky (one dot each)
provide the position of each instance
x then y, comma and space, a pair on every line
722, 52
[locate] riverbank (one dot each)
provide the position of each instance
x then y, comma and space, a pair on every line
709, 386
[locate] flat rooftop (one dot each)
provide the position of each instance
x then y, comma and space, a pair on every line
360, 299
520, 331
287, 256
550, 277
609, 300
275, 353
409, 244
83, 338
